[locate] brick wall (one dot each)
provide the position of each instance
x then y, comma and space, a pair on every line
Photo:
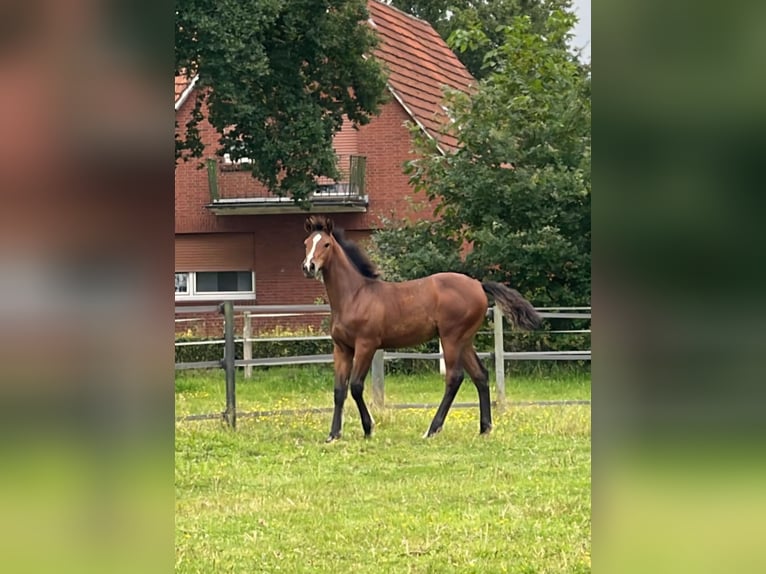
387, 144
191, 187
278, 239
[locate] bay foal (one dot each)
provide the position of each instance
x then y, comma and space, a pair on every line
369, 314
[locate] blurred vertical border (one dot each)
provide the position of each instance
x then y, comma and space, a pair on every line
86, 253
680, 301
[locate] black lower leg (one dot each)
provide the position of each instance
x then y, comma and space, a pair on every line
453, 385
357, 392
337, 417
485, 406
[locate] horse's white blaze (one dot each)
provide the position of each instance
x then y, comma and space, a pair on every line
310, 256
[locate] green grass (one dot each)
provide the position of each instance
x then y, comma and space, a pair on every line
200, 392
271, 497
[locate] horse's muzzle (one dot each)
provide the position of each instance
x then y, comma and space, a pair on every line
310, 271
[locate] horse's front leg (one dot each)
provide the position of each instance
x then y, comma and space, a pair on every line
359, 368
342, 359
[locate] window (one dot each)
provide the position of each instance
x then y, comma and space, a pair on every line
235, 147
216, 285
182, 283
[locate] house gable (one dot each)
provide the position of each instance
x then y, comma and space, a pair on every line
420, 66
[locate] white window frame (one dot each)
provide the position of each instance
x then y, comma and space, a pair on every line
241, 161
193, 295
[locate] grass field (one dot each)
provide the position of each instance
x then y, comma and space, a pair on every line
271, 497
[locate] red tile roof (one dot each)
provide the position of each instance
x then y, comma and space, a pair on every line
180, 85
420, 65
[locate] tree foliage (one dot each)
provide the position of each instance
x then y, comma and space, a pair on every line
277, 77
487, 17
517, 192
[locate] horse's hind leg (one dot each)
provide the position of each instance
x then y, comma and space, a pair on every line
453, 380
479, 376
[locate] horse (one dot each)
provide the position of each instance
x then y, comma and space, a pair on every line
368, 313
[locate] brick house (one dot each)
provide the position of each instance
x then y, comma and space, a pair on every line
236, 241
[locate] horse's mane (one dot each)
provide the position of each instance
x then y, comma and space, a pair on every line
355, 254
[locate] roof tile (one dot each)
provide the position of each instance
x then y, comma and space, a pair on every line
420, 66
180, 85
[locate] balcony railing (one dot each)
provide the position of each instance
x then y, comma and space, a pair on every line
233, 191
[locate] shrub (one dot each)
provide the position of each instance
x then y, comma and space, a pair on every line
261, 349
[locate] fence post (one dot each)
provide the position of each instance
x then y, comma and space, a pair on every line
247, 344
378, 379
230, 414
497, 319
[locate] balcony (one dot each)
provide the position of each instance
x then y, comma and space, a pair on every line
233, 191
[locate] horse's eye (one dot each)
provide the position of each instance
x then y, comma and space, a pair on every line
327, 244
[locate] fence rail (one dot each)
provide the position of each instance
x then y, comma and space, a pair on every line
325, 308
229, 363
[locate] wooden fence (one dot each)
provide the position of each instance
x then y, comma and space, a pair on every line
377, 371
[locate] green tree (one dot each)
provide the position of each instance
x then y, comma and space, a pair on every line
488, 17
277, 77
517, 191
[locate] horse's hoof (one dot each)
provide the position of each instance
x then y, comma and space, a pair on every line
486, 431
430, 433
331, 438
368, 431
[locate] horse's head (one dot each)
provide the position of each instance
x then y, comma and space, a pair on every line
318, 245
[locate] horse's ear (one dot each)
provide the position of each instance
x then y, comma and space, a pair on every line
318, 223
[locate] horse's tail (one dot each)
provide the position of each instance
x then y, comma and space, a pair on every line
516, 309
